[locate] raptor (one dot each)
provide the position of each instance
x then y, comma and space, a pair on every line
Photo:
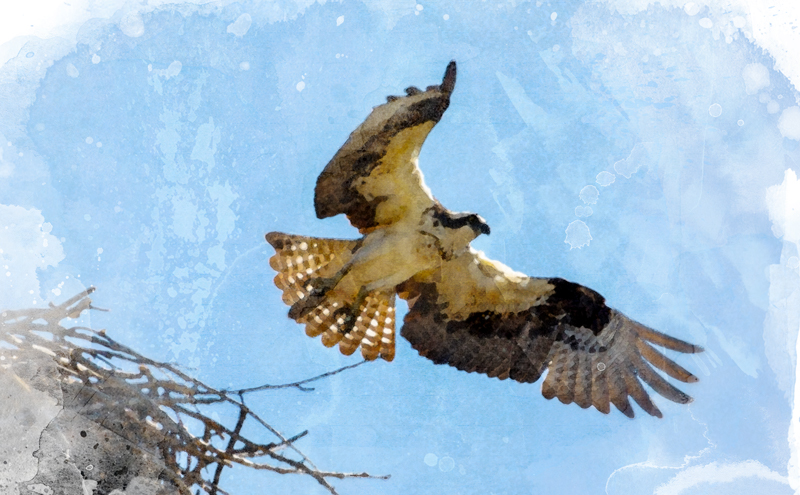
465, 310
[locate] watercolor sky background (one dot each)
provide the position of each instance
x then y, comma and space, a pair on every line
146, 149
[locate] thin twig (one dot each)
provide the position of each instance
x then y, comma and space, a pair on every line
299, 384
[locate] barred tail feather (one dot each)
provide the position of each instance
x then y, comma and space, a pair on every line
299, 260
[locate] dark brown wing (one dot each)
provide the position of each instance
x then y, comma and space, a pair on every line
477, 315
374, 178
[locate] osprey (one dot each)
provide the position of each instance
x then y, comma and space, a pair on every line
465, 310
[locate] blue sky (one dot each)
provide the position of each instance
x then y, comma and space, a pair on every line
150, 152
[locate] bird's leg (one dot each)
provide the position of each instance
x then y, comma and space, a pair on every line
350, 313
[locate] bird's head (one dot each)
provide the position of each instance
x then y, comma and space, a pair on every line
479, 225
467, 225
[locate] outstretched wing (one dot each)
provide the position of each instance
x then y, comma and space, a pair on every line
478, 315
374, 178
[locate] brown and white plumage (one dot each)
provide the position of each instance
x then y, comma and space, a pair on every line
464, 310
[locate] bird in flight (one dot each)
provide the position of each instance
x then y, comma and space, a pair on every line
464, 309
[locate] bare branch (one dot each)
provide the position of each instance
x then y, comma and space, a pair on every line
154, 405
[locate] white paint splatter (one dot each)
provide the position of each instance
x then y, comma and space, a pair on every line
339, 20
205, 143
431, 459
589, 195
446, 464
577, 234
706, 23
72, 71
691, 9
173, 70
605, 179
639, 155
715, 110
240, 26
789, 123
95, 59
132, 24
583, 211
301, 86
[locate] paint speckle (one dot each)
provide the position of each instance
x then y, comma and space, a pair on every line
339, 20
706, 23
29, 55
789, 123
95, 59
446, 464
431, 459
301, 86
87, 217
244, 66
605, 179
72, 71
583, 211
419, 7
89, 140
740, 122
577, 234
715, 110
553, 16
445, 17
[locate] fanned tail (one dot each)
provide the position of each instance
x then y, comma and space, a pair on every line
302, 261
